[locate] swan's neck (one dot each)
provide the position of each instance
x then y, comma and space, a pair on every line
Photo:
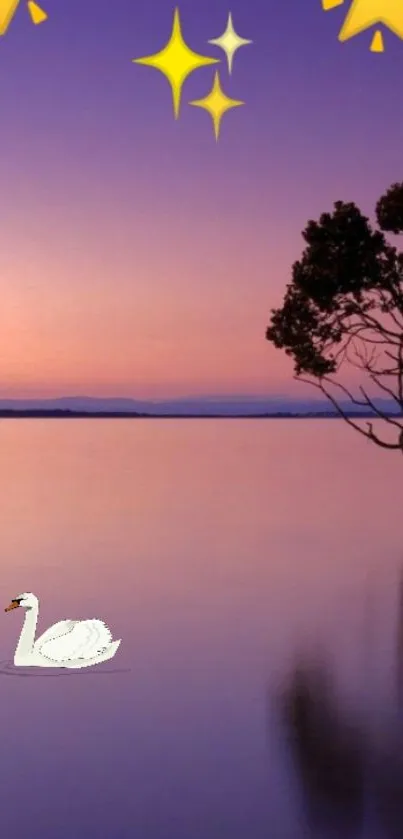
27, 637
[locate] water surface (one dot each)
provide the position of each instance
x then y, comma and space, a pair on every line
216, 550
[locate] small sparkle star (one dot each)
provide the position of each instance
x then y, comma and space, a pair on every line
216, 103
176, 61
230, 42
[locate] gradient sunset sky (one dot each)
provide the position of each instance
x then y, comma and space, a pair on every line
138, 256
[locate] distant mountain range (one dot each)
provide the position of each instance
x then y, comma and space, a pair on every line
202, 407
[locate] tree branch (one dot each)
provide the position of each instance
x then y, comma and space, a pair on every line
381, 414
386, 389
370, 435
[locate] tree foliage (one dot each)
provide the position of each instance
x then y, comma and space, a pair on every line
344, 308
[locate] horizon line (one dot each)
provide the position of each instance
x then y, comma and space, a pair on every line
198, 399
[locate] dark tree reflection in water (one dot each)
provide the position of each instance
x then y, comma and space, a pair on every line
350, 771
329, 754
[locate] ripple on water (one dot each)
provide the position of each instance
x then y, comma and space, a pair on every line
8, 668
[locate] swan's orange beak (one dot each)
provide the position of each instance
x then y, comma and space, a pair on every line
13, 605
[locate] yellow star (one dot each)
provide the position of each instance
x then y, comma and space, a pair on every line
216, 103
229, 41
7, 12
176, 61
331, 4
8, 9
38, 15
365, 13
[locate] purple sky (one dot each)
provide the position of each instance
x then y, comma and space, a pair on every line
138, 256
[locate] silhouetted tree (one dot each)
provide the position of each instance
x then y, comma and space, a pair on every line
344, 307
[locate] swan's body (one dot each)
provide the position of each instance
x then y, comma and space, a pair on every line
68, 643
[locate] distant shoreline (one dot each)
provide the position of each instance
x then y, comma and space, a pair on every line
66, 414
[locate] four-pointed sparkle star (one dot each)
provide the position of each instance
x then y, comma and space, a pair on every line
216, 103
230, 41
176, 61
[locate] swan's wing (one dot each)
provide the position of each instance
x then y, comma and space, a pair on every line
85, 639
55, 631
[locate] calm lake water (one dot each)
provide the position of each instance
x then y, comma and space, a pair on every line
217, 550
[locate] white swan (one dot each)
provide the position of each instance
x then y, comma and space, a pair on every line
67, 643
